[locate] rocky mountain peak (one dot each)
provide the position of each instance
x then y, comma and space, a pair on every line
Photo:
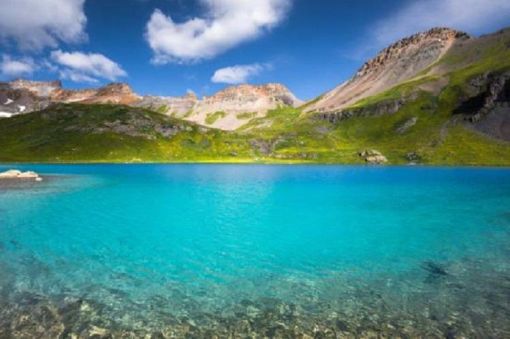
249, 93
436, 38
116, 88
399, 62
119, 93
190, 95
243, 89
39, 88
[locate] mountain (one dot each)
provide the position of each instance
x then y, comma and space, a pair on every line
228, 109
179, 107
437, 97
463, 76
233, 107
398, 63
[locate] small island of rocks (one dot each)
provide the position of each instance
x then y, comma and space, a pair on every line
16, 174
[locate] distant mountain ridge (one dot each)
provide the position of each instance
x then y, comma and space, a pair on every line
24, 96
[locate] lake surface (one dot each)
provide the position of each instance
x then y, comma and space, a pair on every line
280, 251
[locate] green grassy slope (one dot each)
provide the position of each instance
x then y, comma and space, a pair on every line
82, 133
109, 133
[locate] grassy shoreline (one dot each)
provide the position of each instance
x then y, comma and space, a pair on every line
250, 162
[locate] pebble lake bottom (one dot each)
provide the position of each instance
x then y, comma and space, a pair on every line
248, 251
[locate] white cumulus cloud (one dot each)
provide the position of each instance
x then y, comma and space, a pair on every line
35, 24
420, 15
226, 23
76, 76
16, 67
86, 67
237, 74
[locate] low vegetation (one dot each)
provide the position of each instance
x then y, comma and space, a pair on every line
246, 115
213, 117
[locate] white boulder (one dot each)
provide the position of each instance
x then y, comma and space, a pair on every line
372, 156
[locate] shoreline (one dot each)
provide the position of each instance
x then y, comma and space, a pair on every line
249, 163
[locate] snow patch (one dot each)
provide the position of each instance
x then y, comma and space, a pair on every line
22, 108
5, 115
8, 102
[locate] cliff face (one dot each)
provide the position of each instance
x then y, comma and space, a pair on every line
399, 62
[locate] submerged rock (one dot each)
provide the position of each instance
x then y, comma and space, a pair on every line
434, 268
435, 271
15, 174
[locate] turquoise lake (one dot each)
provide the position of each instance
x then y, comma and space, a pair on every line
249, 250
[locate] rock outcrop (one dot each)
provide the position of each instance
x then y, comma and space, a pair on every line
372, 156
487, 105
406, 125
399, 62
15, 174
381, 108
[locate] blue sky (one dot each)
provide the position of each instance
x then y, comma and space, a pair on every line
167, 47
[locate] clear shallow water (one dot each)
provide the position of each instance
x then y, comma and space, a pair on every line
256, 250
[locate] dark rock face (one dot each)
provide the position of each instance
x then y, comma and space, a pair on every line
488, 106
496, 123
381, 108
